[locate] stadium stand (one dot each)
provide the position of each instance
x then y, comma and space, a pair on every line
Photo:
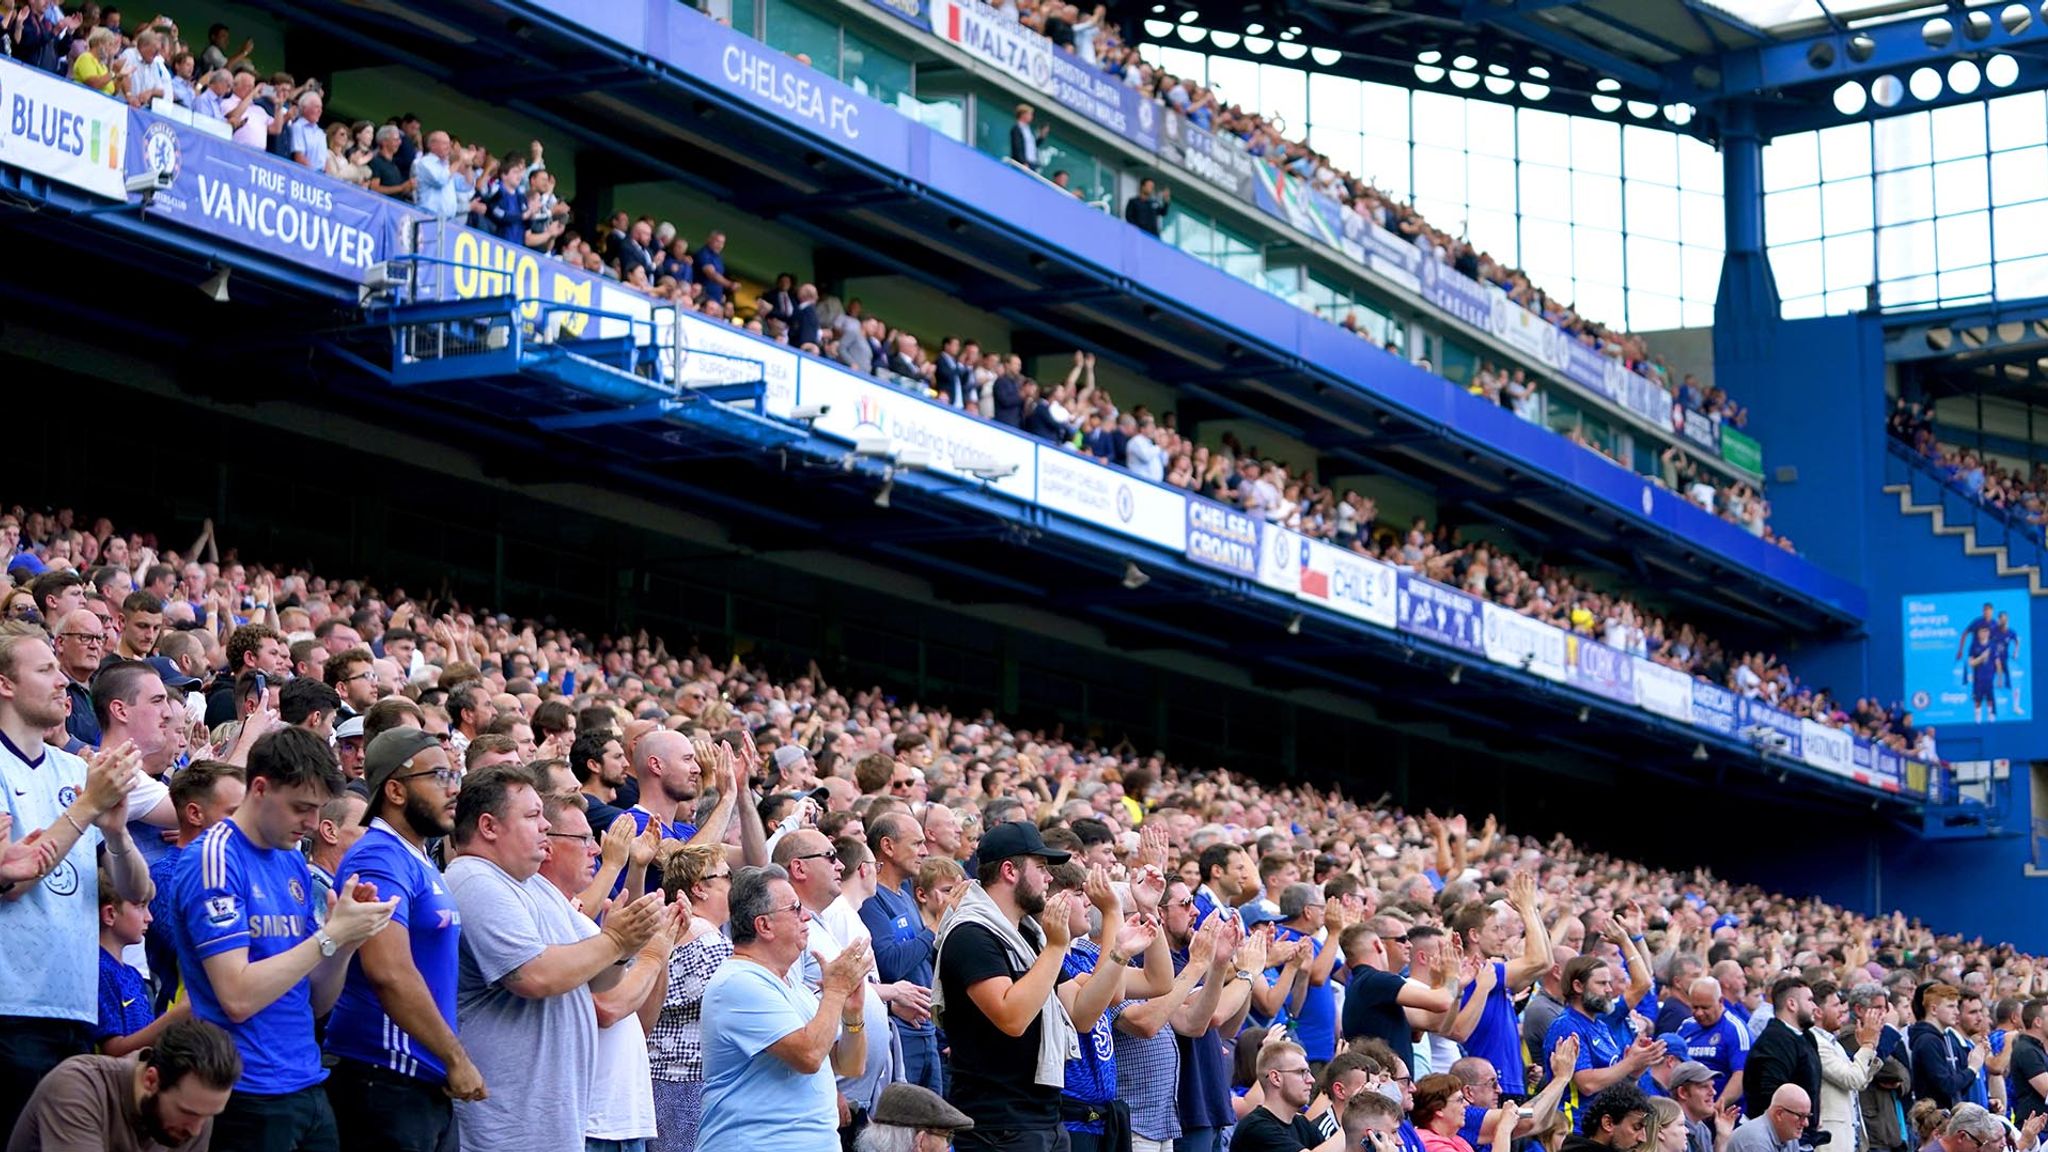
545, 742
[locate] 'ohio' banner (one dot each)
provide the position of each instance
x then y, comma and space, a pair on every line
266, 202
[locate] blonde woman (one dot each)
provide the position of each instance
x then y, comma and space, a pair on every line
341, 163
1666, 1130
700, 875
94, 66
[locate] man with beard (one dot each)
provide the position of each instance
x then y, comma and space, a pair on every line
599, 761
1603, 1063
164, 1096
1785, 1053
397, 1060
1011, 1036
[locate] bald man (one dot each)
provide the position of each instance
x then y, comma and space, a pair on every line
1778, 1129
665, 764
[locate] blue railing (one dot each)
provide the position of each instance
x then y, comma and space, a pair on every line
2023, 542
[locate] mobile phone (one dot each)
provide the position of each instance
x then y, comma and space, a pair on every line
262, 688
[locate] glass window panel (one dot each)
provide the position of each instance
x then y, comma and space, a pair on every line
1235, 82
1440, 175
1494, 233
1333, 103
2017, 233
1702, 275
1797, 268
1648, 154
1442, 212
1346, 150
1283, 96
1386, 166
1596, 199
1490, 128
1909, 291
1803, 308
1543, 135
2023, 278
1845, 205
1442, 118
1900, 141
2017, 121
1960, 186
1546, 192
1966, 284
1845, 151
1847, 261
792, 30
1964, 240
1547, 254
1905, 250
2019, 176
1791, 162
1698, 315
1596, 254
1958, 131
1385, 110
1648, 312
1700, 218
1491, 180
1193, 66
1596, 146
1699, 166
1903, 196
1602, 303
1791, 216
1653, 210
1653, 267
1848, 300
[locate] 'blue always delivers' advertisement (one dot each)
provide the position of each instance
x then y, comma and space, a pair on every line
1967, 658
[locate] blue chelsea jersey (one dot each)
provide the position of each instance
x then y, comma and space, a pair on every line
360, 1029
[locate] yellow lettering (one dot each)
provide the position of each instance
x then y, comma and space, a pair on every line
569, 291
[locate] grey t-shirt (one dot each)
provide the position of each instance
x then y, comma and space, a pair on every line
536, 1056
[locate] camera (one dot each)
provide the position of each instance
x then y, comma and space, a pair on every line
148, 183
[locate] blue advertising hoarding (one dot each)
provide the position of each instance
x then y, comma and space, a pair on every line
1448, 617
1966, 657
267, 202
1223, 538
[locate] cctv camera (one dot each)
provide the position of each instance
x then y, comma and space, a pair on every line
874, 445
809, 412
148, 183
914, 458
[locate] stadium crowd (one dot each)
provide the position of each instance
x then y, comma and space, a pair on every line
363, 871
2018, 495
513, 195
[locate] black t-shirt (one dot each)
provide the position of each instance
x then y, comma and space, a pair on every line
2029, 1060
992, 1077
1264, 1132
1370, 1009
384, 172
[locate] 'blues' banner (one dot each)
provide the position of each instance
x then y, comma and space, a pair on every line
1715, 708
1223, 538
62, 131
1440, 614
1604, 671
267, 202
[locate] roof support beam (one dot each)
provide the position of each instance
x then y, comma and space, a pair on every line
1897, 48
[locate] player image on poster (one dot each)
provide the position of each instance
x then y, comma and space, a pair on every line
1967, 658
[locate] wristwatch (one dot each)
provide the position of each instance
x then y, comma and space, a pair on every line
328, 944
1246, 974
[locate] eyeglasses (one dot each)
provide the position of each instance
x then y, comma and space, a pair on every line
1974, 1139
725, 875
586, 837
1301, 1071
814, 856
795, 908
1803, 1117
365, 674
1183, 902
445, 777
85, 638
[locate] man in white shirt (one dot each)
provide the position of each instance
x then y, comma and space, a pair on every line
148, 73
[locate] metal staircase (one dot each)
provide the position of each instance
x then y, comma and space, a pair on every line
1983, 531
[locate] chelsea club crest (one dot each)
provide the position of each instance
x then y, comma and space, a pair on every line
160, 148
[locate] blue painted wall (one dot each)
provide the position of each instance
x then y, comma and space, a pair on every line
1816, 392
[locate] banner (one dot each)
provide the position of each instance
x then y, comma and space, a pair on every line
1531, 334
708, 352
1440, 614
1111, 498
1887, 769
1596, 668
1518, 641
267, 202
914, 12
471, 265
1770, 729
1664, 691
1966, 658
1715, 708
1282, 556
858, 406
1221, 162
1741, 451
1223, 538
1104, 99
1449, 290
1344, 581
1696, 426
63, 131
1829, 749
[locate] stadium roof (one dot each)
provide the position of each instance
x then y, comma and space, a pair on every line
1692, 65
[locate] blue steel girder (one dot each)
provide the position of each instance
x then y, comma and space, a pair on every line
1646, 81
1824, 60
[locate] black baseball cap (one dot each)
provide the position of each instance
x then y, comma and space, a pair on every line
393, 749
1017, 838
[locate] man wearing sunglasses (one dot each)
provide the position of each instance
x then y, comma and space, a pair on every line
1778, 1129
398, 1063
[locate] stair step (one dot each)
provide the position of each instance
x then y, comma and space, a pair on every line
1938, 524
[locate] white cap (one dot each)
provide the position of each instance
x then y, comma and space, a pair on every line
353, 726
